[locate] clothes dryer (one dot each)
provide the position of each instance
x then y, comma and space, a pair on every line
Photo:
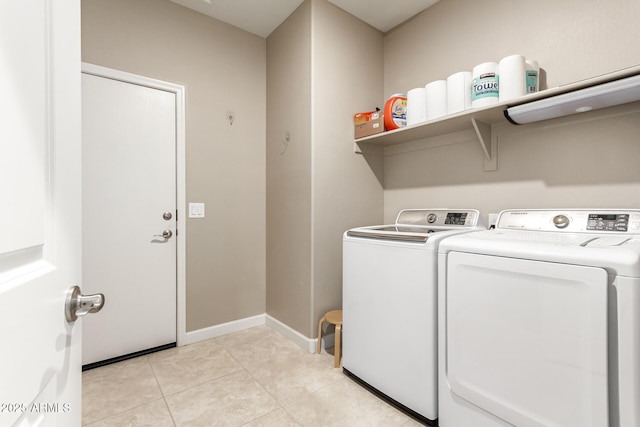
389, 305
539, 321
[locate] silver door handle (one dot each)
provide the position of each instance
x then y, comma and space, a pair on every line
166, 234
78, 305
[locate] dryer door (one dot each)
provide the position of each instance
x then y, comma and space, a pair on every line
527, 341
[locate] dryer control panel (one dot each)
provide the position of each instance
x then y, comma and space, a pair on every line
608, 222
574, 220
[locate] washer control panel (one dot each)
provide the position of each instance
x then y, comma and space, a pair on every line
450, 218
575, 220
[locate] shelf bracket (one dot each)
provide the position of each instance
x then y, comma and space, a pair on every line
483, 132
368, 149
488, 143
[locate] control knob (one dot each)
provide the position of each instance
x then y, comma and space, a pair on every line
561, 221
431, 218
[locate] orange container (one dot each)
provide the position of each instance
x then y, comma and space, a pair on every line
395, 112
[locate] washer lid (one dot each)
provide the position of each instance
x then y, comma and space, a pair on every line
393, 232
418, 225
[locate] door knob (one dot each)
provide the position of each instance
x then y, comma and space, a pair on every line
78, 305
166, 234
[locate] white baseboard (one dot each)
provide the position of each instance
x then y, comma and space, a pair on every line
223, 329
308, 344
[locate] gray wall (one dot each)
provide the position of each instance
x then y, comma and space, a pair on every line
289, 170
323, 65
347, 188
572, 39
223, 68
586, 161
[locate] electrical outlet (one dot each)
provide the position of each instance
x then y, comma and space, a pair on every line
493, 219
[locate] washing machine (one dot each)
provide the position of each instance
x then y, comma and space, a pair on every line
539, 321
389, 305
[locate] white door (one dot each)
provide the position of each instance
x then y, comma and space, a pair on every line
129, 200
39, 212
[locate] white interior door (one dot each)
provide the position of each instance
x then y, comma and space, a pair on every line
39, 212
129, 200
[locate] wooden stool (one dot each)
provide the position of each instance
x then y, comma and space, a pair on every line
335, 318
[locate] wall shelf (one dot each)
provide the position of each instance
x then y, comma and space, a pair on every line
479, 119
440, 126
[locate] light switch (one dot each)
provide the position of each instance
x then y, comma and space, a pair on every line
196, 210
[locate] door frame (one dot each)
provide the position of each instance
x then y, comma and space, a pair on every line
181, 223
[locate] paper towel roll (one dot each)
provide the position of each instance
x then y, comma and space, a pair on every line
513, 82
485, 84
533, 76
436, 93
416, 106
459, 92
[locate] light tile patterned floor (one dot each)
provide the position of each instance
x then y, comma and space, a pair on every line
253, 378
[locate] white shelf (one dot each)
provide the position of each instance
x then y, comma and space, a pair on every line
479, 119
440, 126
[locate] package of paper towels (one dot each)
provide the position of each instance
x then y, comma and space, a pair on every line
485, 85
533, 76
436, 93
416, 106
459, 92
513, 77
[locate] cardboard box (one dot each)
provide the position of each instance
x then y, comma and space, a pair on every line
368, 123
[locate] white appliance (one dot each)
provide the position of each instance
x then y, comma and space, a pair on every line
389, 305
539, 321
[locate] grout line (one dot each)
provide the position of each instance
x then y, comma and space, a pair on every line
115, 366
246, 369
262, 386
164, 397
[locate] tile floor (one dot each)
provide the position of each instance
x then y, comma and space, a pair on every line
252, 378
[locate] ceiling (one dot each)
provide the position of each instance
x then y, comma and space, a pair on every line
261, 17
